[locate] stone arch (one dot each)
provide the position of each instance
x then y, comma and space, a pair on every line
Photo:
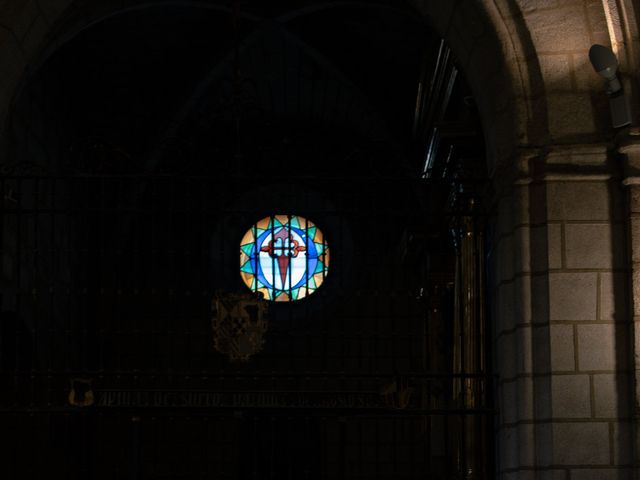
490, 53
513, 53
490, 41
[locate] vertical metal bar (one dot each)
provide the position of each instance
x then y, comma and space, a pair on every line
376, 438
360, 446
187, 259
18, 299
413, 425
291, 461
99, 436
464, 319
171, 212
308, 241
59, 251
256, 257
117, 233
324, 443
464, 461
53, 317
342, 422
206, 444
427, 442
65, 441
256, 446
290, 266
204, 287
309, 460
273, 258
450, 450
286, 249
4, 255
36, 294
88, 324
394, 442
134, 459
274, 450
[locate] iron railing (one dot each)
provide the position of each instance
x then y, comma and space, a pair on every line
107, 366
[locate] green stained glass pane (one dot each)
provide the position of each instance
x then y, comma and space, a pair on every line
319, 268
312, 232
294, 222
248, 248
247, 267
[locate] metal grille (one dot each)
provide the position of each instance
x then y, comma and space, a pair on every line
107, 362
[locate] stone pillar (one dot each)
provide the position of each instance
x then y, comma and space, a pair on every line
560, 320
629, 146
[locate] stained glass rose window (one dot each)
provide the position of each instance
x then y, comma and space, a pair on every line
284, 257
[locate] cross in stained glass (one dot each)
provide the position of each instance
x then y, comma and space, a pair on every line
284, 243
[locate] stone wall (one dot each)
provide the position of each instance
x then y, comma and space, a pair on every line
561, 318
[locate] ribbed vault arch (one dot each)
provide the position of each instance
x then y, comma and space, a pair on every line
490, 39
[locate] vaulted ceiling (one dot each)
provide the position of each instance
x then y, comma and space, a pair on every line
205, 87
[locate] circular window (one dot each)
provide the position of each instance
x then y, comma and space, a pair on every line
284, 257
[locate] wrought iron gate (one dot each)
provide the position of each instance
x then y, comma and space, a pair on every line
106, 354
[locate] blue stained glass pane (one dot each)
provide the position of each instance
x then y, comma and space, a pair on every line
247, 267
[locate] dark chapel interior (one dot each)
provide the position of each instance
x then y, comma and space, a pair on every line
143, 147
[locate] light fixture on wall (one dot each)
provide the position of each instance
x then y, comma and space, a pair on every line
605, 64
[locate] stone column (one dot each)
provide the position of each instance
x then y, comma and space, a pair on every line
629, 146
560, 319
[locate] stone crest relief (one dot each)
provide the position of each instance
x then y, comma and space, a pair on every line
239, 323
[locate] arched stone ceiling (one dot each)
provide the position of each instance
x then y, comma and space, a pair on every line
138, 77
525, 60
